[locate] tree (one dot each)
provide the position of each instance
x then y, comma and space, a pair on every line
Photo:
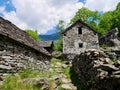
116, 18
92, 18
58, 45
33, 34
106, 22
110, 20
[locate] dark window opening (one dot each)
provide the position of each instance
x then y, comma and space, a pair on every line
65, 34
80, 45
79, 30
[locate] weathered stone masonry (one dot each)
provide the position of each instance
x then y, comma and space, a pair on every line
19, 51
78, 38
17, 48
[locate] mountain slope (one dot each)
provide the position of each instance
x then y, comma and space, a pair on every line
54, 36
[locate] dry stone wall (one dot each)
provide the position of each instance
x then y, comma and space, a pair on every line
15, 47
95, 69
15, 57
13, 63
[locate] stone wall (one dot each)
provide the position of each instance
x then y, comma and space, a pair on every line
72, 39
95, 69
113, 54
16, 56
17, 48
13, 63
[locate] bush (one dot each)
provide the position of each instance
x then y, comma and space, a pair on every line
33, 34
58, 45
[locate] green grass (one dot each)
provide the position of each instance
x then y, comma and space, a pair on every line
15, 83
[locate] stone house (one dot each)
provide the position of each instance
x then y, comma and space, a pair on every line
18, 42
48, 45
79, 37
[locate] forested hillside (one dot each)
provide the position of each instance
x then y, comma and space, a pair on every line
101, 22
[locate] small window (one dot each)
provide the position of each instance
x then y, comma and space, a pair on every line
64, 34
80, 45
79, 30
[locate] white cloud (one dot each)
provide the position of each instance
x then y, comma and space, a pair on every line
42, 15
101, 5
2, 9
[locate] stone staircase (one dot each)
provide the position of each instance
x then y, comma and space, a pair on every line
66, 83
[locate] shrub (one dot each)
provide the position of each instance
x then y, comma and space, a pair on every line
58, 45
33, 34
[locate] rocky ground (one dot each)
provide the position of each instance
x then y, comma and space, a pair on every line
63, 75
56, 78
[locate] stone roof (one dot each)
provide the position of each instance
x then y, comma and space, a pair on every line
111, 39
10, 30
46, 43
111, 34
80, 22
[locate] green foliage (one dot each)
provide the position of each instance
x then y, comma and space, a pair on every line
110, 20
61, 26
33, 34
15, 83
105, 18
102, 23
87, 16
58, 45
29, 74
116, 18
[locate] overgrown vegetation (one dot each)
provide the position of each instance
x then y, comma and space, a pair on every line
58, 45
102, 23
33, 34
15, 82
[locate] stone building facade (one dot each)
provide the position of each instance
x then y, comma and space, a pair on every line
79, 37
16, 42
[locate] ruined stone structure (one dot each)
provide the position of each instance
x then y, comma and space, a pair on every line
111, 39
17, 42
96, 70
79, 37
110, 42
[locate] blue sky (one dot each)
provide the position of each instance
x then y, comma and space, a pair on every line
44, 15
8, 4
